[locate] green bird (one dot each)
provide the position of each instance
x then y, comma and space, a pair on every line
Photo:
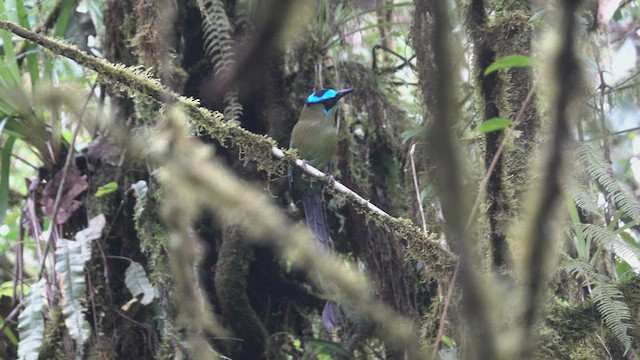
316, 139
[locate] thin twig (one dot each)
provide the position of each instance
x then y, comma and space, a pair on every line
65, 171
416, 186
443, 316
621, 132
496, 157
483, 185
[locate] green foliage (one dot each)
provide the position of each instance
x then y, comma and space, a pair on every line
217, 31
31, 323
138, 284
493, 124
71, 257
579, 194
218, 45
607, 298
8, 332
70, 268
140, 192
5, 168
107, 188
508, 62
605, 294
601, 172
324, 347
612, 241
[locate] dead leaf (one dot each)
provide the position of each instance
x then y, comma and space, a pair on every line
74, 185
100, 149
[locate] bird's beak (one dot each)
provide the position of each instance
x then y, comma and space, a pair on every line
342, 93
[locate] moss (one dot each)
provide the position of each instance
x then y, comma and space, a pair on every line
54, 336
101, 348
631, 290
148, 32
439, 263
569, 332
232, 269
153, 235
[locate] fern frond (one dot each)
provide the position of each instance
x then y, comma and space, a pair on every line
607, 298
217, 38
614, 243
616, 313
218, 45
579, 269
31, 323
583, 199
601, 172
233, 108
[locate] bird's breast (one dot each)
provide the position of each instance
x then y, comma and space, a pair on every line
315, 141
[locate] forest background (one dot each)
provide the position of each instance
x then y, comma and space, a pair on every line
487, 197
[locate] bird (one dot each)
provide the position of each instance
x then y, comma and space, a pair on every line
316, 138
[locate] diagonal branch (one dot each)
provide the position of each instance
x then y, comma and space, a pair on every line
259, 148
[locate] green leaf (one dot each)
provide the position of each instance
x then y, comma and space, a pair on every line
31, 323
9, 72
540, 18
324, 346
426, 192
6, 288
447, 341
508, 62
107, 188
8, 333
71, 278
137, 282
5, 170
32, 56
140, 192
493, 124
71, 257
411, 133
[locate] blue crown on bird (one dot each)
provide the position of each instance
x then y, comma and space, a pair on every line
328, 97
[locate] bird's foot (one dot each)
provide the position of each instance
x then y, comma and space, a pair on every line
330, 180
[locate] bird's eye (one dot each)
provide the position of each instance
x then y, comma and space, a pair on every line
329, 104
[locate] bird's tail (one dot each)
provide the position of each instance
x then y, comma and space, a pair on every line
316, 221
314, 214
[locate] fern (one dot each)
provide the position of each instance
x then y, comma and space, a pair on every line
583, 199
140, 192
612, 242
71, 257
601, 172
71, 279
217, 37
233, 108
31, 323
607, 298
616, 313
218, 45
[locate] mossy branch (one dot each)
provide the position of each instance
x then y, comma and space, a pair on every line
255, 147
